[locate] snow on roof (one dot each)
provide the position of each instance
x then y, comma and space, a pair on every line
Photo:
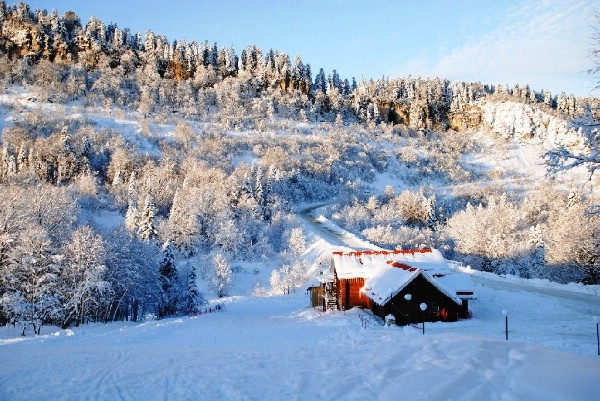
387, 282
386, 273
366, 263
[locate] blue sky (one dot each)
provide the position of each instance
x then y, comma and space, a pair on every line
544, 43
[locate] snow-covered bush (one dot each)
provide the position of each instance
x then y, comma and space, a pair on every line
222, 277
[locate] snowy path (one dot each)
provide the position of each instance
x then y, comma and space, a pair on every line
333, 235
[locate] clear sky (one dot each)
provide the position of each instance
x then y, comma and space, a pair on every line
541, 42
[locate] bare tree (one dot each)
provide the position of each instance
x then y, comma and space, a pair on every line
563, 158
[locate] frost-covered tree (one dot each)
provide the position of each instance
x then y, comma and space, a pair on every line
133, 273
132, 219
146, 222
30, 280
564, 158
294, 270
53, 208
281, 279
537, 255
572, 244
321, 82
222, 275
296, 242
490, 232
595, 52
182, 225
83, 285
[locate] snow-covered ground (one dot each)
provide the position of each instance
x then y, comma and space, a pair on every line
275, 348
278, 348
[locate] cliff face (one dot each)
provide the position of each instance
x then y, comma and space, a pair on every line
63, 39
415, 114
467, 119
563, 121
520, 121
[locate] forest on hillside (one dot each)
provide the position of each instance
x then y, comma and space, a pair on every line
226, 147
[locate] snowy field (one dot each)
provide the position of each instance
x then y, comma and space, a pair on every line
278, 348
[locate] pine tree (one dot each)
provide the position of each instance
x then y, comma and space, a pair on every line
193, 298
296, 242
278, 281
168, 283
146, 223
132, 191
321, 82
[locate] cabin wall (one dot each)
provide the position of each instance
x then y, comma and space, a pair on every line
349, 295
422, 291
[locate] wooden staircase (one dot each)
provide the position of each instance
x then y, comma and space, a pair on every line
331, 304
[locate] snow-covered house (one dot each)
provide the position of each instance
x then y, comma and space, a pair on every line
397, 283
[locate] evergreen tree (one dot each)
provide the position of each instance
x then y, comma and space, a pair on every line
193, 298
30, 280
132, 191
146, 223
168, 283
321, 82
132, 219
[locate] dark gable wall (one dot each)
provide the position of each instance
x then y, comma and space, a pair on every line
421, 290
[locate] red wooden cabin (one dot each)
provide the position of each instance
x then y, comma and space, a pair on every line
381, 280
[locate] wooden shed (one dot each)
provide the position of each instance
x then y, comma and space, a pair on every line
398, 282
317, 296
322, 295
405, 304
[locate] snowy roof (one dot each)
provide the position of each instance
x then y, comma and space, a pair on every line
382, 286
366, 263
386, 273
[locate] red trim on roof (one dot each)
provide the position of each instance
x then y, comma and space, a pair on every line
394, 252
403, 266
